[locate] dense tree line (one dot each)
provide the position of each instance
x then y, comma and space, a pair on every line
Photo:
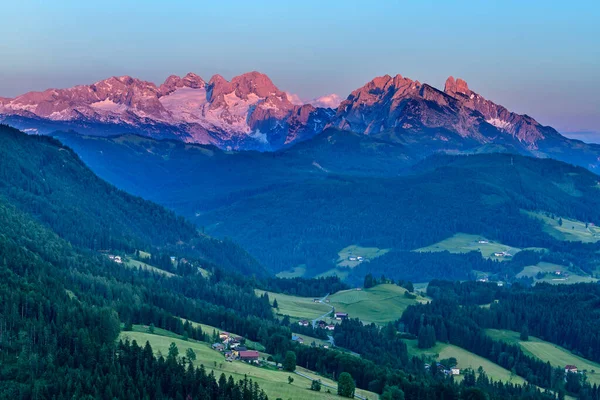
303, 287
562, 314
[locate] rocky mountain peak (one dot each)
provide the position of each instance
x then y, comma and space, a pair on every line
174, 82
453, 86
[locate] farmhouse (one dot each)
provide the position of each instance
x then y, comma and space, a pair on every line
298, 339
316, 300
341, 315
570, 368
223, 335
359, 258
455, 371
218, 347
303, 322
249, 355
351, 258
330, 327
497, 254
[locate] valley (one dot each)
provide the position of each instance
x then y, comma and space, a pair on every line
249, 201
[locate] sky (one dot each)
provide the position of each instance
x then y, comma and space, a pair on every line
540, 58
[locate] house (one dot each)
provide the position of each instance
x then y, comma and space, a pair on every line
360, 259
497, 254
327, 300
249, 355
111, 256
241, 348
359, 289
570, 368
351, 258
297, 339
483, 242
316, 300
454, 371
330, 327
303, 322
341, 315
173, 259
223, 335
218, 346
118, 260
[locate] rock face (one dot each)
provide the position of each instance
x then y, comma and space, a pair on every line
251, 113
397, 105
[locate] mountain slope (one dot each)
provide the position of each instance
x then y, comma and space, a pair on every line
48, 181
305, 204
310, 222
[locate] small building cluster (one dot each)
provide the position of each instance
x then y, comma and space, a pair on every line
232, 348
116, 259
502, 254
441, 368
570, 369
356, 258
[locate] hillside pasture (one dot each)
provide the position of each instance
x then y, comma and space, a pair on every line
565, 277
379, 304
131, 263
295, 306
465, 243
273, 382
294, 272
465, 359
570, 230
556, 355
367, 253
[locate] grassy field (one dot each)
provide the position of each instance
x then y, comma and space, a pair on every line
379, 304
344, 265
128, 262
570, 229
368, 253
273, 382
295, 272
549, 352
465, 359
297, 307
533, 270
464, 243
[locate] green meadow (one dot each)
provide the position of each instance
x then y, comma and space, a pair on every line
379, 304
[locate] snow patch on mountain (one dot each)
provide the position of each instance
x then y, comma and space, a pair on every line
185, 104
109, 106
498, 123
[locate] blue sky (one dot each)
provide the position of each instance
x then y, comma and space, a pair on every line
541, 58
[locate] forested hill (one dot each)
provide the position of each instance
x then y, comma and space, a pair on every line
43, 178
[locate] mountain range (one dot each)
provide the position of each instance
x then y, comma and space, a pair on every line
251, 113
